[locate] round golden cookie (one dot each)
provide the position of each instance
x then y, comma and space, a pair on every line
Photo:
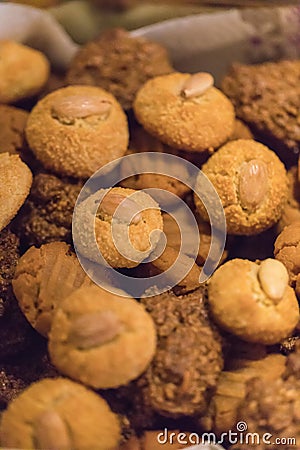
23, 71
15, 184
252, 185
241, 131
287, 250
253, 300
185, 111
127, 227
101, 339
43, 278
76, 130
59, 414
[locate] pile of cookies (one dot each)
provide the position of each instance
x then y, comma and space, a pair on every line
85, 368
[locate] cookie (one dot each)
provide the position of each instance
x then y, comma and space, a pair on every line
287, 250
254, 90
179, 382
119, 63
16, 335
185, 111
125, 227
100, 339
15, 183
47, 213
46, 416
76, 130
12, 129
23, 71
43, 278
252, 185
241, 131
253, 301
291, 212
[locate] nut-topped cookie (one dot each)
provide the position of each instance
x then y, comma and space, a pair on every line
185, 111
15, 183
77, 130
43, 278
253, 300
252, 184
119, 63
127, 227
101, 339
58, 413
23, 71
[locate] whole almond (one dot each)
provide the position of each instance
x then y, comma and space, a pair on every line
50, 432
253, 184
80, 107
94, 329
197, 84
121, 207
273, 278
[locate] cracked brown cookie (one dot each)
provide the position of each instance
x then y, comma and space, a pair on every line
254, 93
119, 63
252, 185
12, 129
185, 111
127, 227
179, 382
101, 339
43, 278
23, 71
76, 130
47, 213
253, 301
16, 334
15, 183
42, 417
287, 250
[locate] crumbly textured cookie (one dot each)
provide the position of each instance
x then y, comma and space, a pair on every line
76, 130
101, 339
185, 111
222, 414
119, 63
253, 300
15, 333
47, 213
23, 71
252, 185
12, 129
254, 93
46, 416
43, 278
124, 227
15, 183
179, 383
291, 212
271, 407
287, 250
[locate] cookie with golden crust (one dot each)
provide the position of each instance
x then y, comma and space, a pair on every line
15, 183
76, 130
126, 228
43, 278
185, 111
252, 185
287, 250
253, 300
119, 63
101, 339
240, 131
23, 71
291, 212
46, 416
